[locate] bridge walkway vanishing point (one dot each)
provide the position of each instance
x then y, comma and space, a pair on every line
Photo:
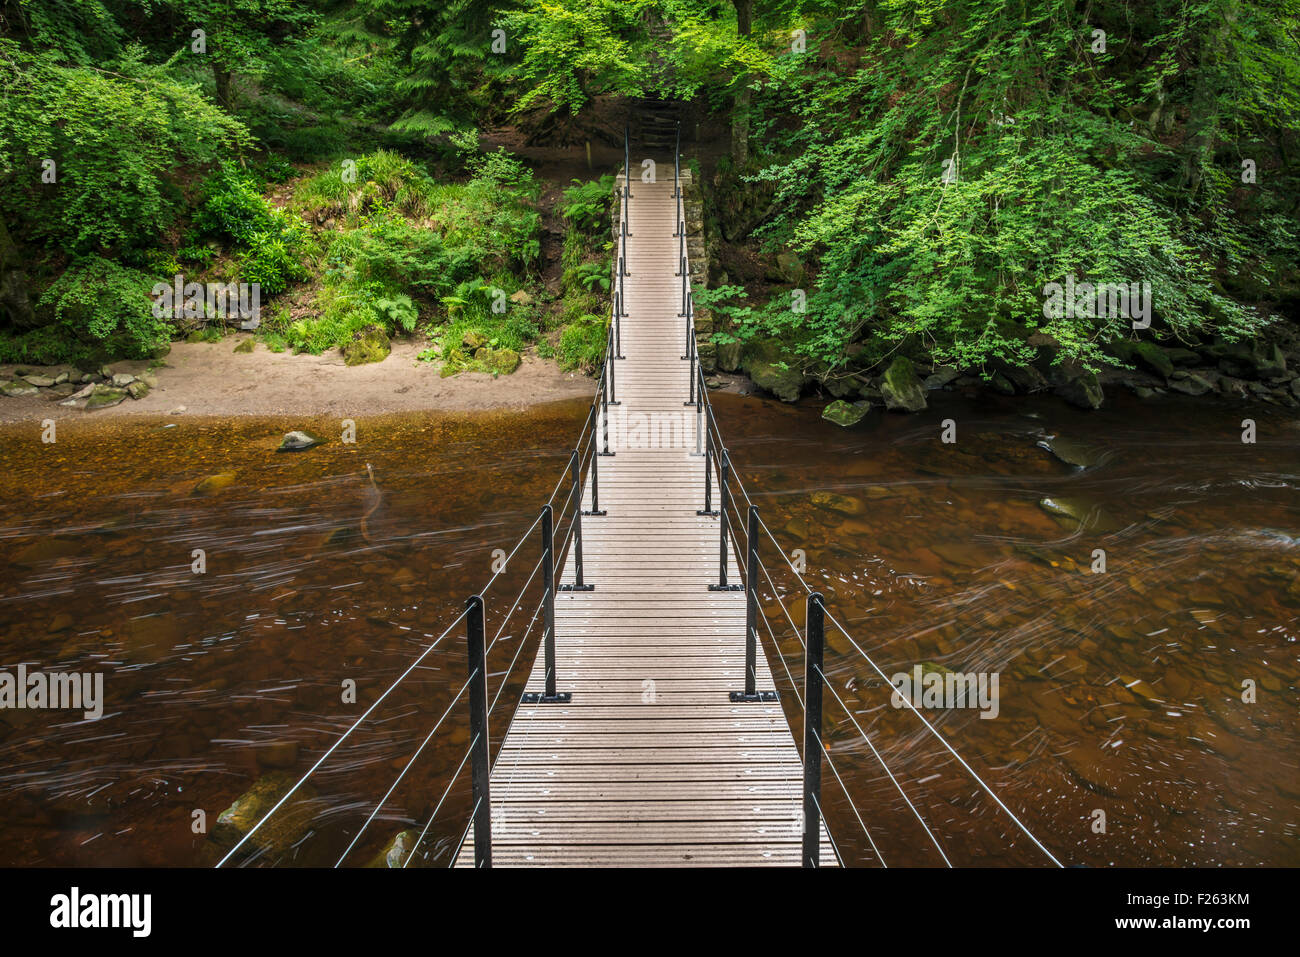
649, 732
650, 763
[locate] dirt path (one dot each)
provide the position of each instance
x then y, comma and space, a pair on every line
211, 379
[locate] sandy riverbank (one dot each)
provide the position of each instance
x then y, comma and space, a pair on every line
211, 379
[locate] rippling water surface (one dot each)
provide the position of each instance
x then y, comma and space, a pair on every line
1120, 692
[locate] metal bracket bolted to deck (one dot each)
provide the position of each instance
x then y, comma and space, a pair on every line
739, 696
536, 697
576, 588
726, 588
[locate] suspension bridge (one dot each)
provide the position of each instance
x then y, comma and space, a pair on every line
650, 731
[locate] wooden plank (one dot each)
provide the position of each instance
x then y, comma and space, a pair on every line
650, 764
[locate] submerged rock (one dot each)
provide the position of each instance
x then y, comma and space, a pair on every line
832, 502
846, 413
1071, 452
900, 387
1077, 512
214, 483
283, 829
397, 850
299, 440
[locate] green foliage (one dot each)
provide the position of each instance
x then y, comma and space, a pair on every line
582, 343
586, 204
1056, 165
117, 137
100, 308
233, 208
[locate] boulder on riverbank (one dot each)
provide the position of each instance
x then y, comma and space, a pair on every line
901, 388
368, 345
765, 366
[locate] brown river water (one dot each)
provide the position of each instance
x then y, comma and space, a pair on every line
1120, 692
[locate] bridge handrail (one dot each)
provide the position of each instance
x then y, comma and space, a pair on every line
718, 466
581, 472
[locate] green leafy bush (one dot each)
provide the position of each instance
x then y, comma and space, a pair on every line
100, 309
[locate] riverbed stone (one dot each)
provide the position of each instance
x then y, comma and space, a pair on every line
299, 440
16, 389
282, 830
122, 379
846, 413
40, 381
1071, 451
900, 387
397, 850
833, 502
214, 483
137, 390
104, 397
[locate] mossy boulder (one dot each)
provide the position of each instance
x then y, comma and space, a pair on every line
1248, 360
473, 341
16, 389
246, 345
846, 413
368, 345
104, 397
137, 389
901, 388
499, 361
765, 363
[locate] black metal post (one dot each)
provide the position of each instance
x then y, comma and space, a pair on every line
609, 365
751, 692
575, 496
618, 336
724, 499
550, 695
812, 732
691, 350
480, 769
604, 412
708, 472
595, 482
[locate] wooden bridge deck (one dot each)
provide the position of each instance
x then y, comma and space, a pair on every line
650, 764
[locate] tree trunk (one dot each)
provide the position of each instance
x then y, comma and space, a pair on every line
740, 114
15, 305
224, 94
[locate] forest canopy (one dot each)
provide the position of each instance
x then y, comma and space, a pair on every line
924, 169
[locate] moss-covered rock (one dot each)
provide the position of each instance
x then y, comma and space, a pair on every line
104, 397
499, 361
900, 387
214, 483
246, 345
845, 413
472, 341
368, 345
765, 364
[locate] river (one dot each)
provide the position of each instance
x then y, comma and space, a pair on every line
1120, 691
